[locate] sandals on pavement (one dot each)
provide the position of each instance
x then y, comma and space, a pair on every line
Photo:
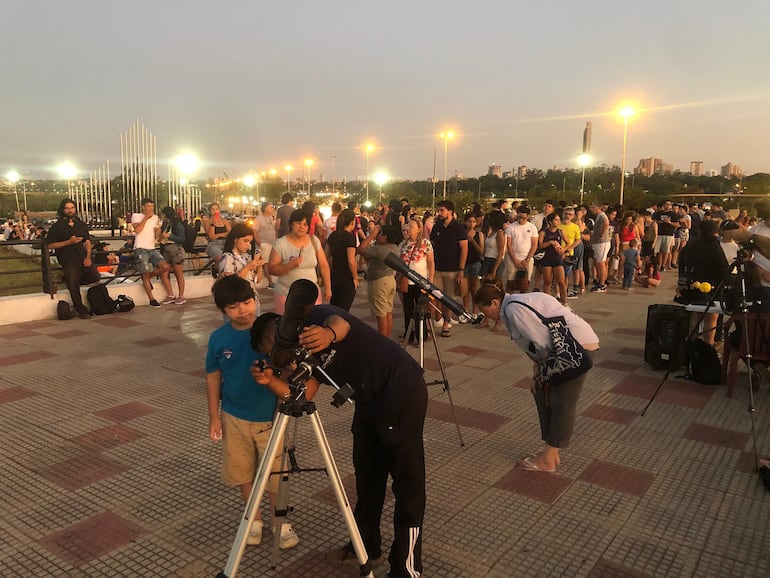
446, 333
529, 466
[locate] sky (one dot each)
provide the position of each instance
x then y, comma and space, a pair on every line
249, 85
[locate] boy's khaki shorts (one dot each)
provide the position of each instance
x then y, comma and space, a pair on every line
243, 445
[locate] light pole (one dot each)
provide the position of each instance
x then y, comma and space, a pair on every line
380, 178
447, 136
288, 178
187, 164
625, 112
369, 148
584, 159
308, 164
13, 177
333, 159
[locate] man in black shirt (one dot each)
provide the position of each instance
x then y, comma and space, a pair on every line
450, 251
668, 221
70, 238
391, 402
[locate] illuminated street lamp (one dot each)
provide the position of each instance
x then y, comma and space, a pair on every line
13, 177
187, 164
288, 178
250, 181
67, 171
625, 112
380, 178
584, 159
447, 136
369, 148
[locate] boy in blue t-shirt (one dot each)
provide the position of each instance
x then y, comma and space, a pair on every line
631, 262
247, 407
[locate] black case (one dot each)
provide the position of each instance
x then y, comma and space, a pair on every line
667, 329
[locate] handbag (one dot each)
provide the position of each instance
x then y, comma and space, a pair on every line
402, 281
567, 359
537, 257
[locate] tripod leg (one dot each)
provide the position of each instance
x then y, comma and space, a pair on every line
282, 498
409, 329
257, 491
445, 382
342, 498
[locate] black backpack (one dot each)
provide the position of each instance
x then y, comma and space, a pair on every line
100, 300
64, 311
190, 237
705, 366
124, 303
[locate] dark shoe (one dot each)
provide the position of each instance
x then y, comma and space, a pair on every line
84, 315
154, 303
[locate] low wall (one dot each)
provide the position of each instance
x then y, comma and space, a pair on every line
37, 306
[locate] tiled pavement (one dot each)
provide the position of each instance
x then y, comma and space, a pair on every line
108, 470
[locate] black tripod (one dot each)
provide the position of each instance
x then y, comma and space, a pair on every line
740, 305
295, 407
421, 319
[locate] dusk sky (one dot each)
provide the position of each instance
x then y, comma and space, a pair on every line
254, 84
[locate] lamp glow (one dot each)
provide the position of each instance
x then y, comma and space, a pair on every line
67, 171
249, 180
187, 163
12, 177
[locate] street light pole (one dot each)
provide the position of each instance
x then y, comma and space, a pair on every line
446, 136
333, 159
625, 112
14, 177
369, 148
584, 159
288, 178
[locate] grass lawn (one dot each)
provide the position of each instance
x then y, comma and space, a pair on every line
19, 273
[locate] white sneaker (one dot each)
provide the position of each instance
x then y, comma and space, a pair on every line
463, 319
289, 537
255, 533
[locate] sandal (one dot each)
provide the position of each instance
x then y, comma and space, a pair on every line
446, 333
529, 466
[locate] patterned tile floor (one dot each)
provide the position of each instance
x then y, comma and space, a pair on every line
108, 470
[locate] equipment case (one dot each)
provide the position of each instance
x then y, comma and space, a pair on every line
665, 337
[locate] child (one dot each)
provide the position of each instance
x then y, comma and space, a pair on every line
247, 407
631, 263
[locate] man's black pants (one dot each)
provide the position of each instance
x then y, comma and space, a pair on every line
392, 444
75, 275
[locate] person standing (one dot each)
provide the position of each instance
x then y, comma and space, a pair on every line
391, 399
556, 406
601, 237
573, 249
71, 239
380, 279
172, 240
148, 260
417, 254
217, 229
282, 225
664, 243
522, 245
341, 254
450, 246
264, 233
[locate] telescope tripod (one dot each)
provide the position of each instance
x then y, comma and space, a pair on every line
421, 319
293, 408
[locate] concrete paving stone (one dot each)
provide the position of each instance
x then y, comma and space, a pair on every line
618, 478
650, 556
42, 451
666, 418
145, 556
36, 561
542, 486
53, 514
579, 546
741, 531
597, 504
606, 569
610, 414
711, 566
598, 428
636, 456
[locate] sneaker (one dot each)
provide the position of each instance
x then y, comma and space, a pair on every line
346, 555
169, 300
601, 289
289, 537
255, 533
154, 303
84, 315
180, 301
572, 295
463, 319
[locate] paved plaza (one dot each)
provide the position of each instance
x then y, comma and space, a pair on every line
108, 469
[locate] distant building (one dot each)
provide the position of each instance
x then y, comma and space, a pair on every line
507, 174
696, 168
522, 170
730, 171
495, 170
653, 166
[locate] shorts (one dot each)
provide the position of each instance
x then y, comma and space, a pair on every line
243, 444
173, 253
664, 243
646, 249
512, 272
684, 236
447, 282
147, 260
472, 269
601, 250
381, 294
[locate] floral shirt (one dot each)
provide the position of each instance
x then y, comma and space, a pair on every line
415, 255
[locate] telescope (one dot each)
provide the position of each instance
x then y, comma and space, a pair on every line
394, 262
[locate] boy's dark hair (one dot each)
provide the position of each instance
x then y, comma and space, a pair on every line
168, 212
632, 243
258, 329
393, 234
230, 290
287, 198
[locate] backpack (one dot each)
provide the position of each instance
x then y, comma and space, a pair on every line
705, 366
64, 311
190, 236
124, 303
100, 300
